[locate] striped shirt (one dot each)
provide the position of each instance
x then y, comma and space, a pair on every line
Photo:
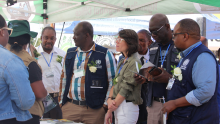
77, 85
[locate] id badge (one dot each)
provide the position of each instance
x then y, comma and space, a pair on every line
49, 73
170, 83
79, 73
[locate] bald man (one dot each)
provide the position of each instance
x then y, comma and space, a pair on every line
163, 54
204, 41
83, 93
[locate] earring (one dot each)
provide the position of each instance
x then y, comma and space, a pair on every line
3, 35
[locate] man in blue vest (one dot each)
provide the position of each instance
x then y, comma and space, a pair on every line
191, 93
86, 79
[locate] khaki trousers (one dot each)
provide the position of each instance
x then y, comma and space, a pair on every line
83, 114
155, 115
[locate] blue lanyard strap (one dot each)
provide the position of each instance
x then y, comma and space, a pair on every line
163, 58
80, 62
121, 66
189, 53
46, 60
146, 61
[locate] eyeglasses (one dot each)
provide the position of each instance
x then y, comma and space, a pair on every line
9, 30
173, 35
156, 32
118, 40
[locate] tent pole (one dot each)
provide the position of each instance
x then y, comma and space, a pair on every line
45, 21
45, 12
61, 34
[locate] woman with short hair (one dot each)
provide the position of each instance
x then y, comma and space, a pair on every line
125, 95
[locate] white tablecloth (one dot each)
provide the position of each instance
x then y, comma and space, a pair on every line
45, 122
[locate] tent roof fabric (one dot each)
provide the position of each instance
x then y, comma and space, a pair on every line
207, 2
74, 10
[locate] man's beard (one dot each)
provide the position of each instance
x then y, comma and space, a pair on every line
45, 48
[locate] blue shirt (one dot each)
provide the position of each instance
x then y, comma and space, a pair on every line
203, 76
16, 93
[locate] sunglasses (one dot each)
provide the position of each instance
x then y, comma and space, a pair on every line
156, 32
9, 30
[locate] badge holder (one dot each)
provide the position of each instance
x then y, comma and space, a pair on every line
49, 73
79, 73
170, 83
49, 103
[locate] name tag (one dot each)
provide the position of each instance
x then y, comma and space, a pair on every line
49, 73
79, 73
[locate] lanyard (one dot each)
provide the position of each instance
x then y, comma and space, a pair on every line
189, 53
121, 66
80, 62
163, 58
46, 60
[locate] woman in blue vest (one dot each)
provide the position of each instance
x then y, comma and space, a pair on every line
125, 95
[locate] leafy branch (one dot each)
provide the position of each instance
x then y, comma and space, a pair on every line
36, 54
173, 67
92, 64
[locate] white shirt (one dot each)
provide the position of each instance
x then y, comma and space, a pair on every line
146, 56
51, 84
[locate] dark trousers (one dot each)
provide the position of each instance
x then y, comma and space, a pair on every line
34, 120
145, 122
142, 119
55, 113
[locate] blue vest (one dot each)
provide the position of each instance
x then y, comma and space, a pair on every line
95, 97
204, 114
218, 96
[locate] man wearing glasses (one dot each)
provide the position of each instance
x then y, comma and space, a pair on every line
163, 54
193, 97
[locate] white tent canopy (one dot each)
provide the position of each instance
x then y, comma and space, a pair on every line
73, 10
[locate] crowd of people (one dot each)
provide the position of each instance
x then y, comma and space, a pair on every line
88, 85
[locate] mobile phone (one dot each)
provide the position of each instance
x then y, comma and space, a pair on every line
155, 71
138, 74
